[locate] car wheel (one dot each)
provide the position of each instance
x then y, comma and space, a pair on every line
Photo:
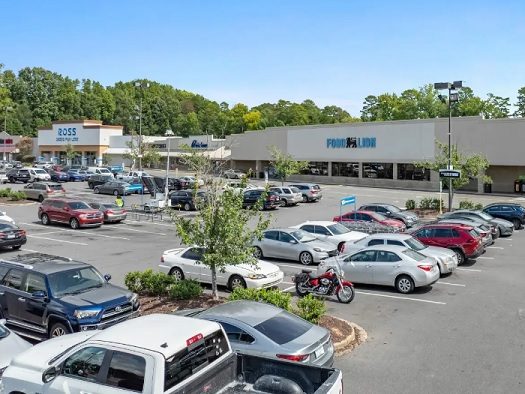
45, 219
306, 258
74, 224
187, 207
177, 273
341, 247
236, 282
305, 198
460, 255
404, 284
284, 203
257, 253
90, 185
96, 190
16, 247
517, 224
499, 232
40, 198
12, 180
116, 192
57, 330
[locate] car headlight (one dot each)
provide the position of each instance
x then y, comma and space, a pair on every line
86, 313
134, 299
256, 276
319, 250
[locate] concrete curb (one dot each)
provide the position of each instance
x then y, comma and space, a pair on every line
22, 204
357, 337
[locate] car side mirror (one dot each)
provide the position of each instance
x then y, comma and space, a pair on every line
50, 374
39, 294
292, 241
107, 277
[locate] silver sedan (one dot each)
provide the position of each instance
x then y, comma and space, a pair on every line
265, 330
293, 244
397, 266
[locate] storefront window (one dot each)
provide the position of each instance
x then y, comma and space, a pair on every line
316, 168
345, 169
410, 172
378, 170
90, 158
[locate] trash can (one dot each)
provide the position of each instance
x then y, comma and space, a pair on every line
487, 188
517, 186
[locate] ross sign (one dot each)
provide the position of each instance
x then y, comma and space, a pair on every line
450, 173
348, 200
198, 144
67, 134
351, 142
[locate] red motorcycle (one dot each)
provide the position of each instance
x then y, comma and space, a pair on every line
330, 283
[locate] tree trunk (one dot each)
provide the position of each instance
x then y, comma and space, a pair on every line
214, 292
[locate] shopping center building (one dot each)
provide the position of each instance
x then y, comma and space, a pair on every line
369, 154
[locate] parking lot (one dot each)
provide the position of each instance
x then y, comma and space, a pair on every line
465, 334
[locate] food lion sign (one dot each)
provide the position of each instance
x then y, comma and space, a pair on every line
445, 173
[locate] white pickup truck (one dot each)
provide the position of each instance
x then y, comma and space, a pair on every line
158, 354
129, 176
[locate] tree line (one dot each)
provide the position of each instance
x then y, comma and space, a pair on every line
34, 97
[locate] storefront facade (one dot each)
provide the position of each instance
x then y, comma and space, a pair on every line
384, 153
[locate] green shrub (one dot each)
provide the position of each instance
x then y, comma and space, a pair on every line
478, 206
410, 204
148, 282
430, 203
466, 204
271, 296
17, 196
5, 192
185, 290
310, 308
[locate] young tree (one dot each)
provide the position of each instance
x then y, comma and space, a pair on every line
471, 166
285, 165
150, 154
221, 227
70, 153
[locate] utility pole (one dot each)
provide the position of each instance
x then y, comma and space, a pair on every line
141, 86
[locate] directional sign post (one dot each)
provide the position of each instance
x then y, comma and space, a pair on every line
449, 173
346, 201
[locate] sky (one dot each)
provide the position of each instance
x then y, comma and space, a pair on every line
255, 51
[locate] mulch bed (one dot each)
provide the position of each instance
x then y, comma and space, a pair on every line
339, 329
8, 201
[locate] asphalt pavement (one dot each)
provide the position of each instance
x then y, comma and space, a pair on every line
465, 334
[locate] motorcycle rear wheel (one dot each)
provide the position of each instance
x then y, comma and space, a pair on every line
301, 290
345, 294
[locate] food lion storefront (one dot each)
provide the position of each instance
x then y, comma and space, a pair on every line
383, 154
89, 138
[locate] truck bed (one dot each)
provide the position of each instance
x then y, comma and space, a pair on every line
239, 373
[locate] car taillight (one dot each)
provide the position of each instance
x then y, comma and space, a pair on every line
425, 267
110, 212
293, 357
21, 232
314, 191
162, 259
2, 235
64, 190
124, 211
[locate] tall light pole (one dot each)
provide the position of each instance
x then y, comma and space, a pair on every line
141, 86
453, 96
169, 133
7, 108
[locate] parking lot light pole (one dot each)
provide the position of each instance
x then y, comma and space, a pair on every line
141, 86
452, 97
7, 108
169, 133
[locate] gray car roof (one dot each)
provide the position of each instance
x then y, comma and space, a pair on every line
251, 313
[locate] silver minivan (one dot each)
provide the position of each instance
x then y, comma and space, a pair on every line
289, 195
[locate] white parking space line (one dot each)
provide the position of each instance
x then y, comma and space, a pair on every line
506, 239
494, 247
78, 232
31, 251
291, 266
450, 284
468, 269
289, 288
150, 222
289, 283
57, 240
143, 231
400, 298
50, 232
485, 258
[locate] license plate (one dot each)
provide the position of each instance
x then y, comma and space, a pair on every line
10, 236
319, 352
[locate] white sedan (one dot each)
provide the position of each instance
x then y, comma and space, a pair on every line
190, 180
10, 346
184, 263
5, 218
332, 232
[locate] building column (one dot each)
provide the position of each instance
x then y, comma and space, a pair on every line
258, 168
481, 188
329, 169
82, 158
394, 171
360, 170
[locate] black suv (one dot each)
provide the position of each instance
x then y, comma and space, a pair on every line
18, 175
44, 296
97, 180
186, 199
514, 213
251, 197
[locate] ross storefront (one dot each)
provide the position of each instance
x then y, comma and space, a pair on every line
90, 140
383, 153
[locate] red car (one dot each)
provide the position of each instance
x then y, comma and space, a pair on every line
369, 216
462, 239
76, 213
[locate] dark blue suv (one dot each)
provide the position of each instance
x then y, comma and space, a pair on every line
514, 213
44, 296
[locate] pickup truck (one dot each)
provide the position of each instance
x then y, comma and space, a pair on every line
159, 354
129, 176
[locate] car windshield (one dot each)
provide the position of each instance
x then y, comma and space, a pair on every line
283, 327
415, 244
3, 332
55, 187
78, 205
111, 206
337, 229
484, 215
392, 208
377, 216
414, 255
38, 171
302, 236
75, 281
104, 171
